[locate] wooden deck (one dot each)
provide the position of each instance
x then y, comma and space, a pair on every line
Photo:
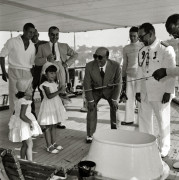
73, 137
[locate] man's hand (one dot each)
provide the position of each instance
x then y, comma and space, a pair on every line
64, 64
166, 98
159, 73
138, 98
5, 76
123, 97
31, 126
91, 106
114, 105
50, 58
64, 97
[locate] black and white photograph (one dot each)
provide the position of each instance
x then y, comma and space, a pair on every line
89, 90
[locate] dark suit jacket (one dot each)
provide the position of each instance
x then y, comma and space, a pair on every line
44, 50
93, 79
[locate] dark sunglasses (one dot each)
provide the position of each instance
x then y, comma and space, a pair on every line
95, 56
142, 37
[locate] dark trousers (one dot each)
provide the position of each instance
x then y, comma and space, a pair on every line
36, 72
92, 118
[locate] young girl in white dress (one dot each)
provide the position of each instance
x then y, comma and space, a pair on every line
23, 124
51, 110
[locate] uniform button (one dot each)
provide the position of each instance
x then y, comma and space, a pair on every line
147, 71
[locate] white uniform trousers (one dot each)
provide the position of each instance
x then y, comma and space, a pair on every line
162, 112
130, 103
14, 75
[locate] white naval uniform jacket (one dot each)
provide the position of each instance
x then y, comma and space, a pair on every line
150, 58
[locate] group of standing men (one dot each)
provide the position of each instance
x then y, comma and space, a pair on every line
26, 59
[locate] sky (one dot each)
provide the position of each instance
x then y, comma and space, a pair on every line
110, 37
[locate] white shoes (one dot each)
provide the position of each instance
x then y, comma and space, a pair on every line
52, 150
58, 147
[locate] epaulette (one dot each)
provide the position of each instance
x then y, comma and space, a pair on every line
164, 44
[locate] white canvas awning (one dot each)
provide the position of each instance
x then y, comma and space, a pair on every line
83, 15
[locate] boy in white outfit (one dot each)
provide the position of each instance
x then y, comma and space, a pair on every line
129, 71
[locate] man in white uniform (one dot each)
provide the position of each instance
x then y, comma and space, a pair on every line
129, 71
21, 55
155, 97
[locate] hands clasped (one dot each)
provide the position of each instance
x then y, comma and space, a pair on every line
51, 58
64, 64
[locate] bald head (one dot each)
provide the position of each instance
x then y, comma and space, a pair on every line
101, 56
103, 50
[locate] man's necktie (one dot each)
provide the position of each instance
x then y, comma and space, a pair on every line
102, 72
53, 51
36, 48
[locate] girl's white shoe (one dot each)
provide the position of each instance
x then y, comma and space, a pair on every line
52, 150
57, 147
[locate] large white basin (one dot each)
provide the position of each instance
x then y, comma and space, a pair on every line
126, 155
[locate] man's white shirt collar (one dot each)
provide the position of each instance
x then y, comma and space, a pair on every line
104, 67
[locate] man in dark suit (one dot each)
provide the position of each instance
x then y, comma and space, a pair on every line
58, 53
101, 72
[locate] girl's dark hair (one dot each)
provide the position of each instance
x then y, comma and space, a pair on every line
51, 68
20, 94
